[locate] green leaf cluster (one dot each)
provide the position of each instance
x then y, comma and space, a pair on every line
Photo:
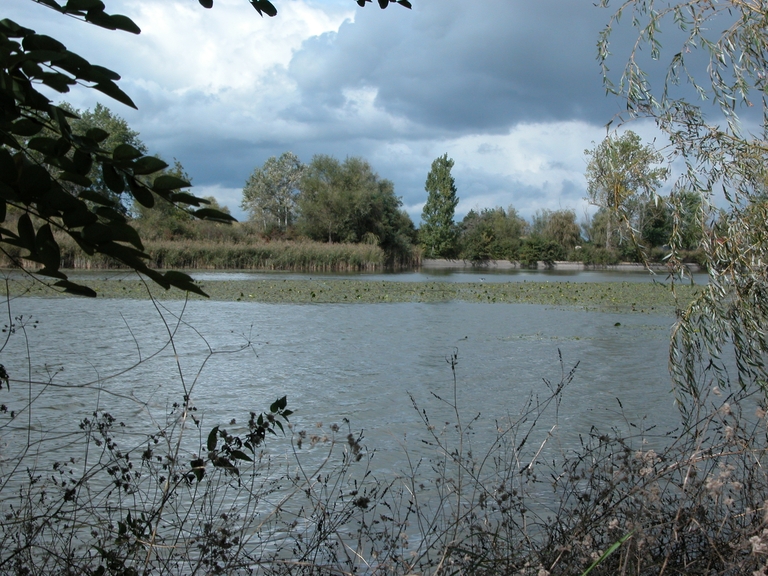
491, 234
226, 451
64, 181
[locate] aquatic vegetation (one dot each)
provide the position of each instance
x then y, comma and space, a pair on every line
620, 296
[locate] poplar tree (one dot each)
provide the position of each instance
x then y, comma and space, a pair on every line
439, 234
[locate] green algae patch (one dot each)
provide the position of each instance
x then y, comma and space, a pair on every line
620, 296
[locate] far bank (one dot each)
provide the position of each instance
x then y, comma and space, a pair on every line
557, 265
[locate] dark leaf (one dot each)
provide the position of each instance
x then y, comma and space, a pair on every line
52, 273
110, 214
97, 134
112, 179
183, 282
103, 73
125, 152
184, 198
383, 4
83, 181
213, 437
34, 181
73, 5
94, 196
82, 161
166, 183
8, 172
122, 232
47, 249
58, 82
13, 30
42, 42
206, 3
44, 145
148, 165
25, 127
124, 23
51, 4
212, 214
100, 18
80, 216
110, 89
97, 233
45, 55
142, 195
73, 288
26, 232
264, 7
239, 455
198, 468
2, 210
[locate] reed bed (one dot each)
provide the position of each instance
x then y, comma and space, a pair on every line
305, 256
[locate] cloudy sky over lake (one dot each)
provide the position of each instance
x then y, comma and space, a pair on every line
509, 89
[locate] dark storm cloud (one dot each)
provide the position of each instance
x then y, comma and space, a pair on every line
442, 65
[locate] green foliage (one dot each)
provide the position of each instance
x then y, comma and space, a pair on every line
270, 193
558, 226
620, 172
537, 249
438, 233
656, 222
120, 134
348, 202
492, 234
46, 166
717, 50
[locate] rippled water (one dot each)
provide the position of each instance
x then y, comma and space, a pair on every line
334, 361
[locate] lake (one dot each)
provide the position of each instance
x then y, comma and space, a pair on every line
345, 368
335, 361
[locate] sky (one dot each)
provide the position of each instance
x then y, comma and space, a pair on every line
509, 89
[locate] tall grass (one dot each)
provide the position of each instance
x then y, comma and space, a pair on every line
276, 255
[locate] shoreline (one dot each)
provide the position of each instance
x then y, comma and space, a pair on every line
558, 265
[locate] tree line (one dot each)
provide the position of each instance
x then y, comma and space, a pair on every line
346, 201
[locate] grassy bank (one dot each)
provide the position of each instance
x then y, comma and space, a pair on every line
625, 296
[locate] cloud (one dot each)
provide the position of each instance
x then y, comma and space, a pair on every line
463, 70
510, 90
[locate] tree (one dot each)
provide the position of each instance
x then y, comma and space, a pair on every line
619, 173
714, 73
491, 234
558, 226
438, 232
271, 192
348, 202
656, 222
